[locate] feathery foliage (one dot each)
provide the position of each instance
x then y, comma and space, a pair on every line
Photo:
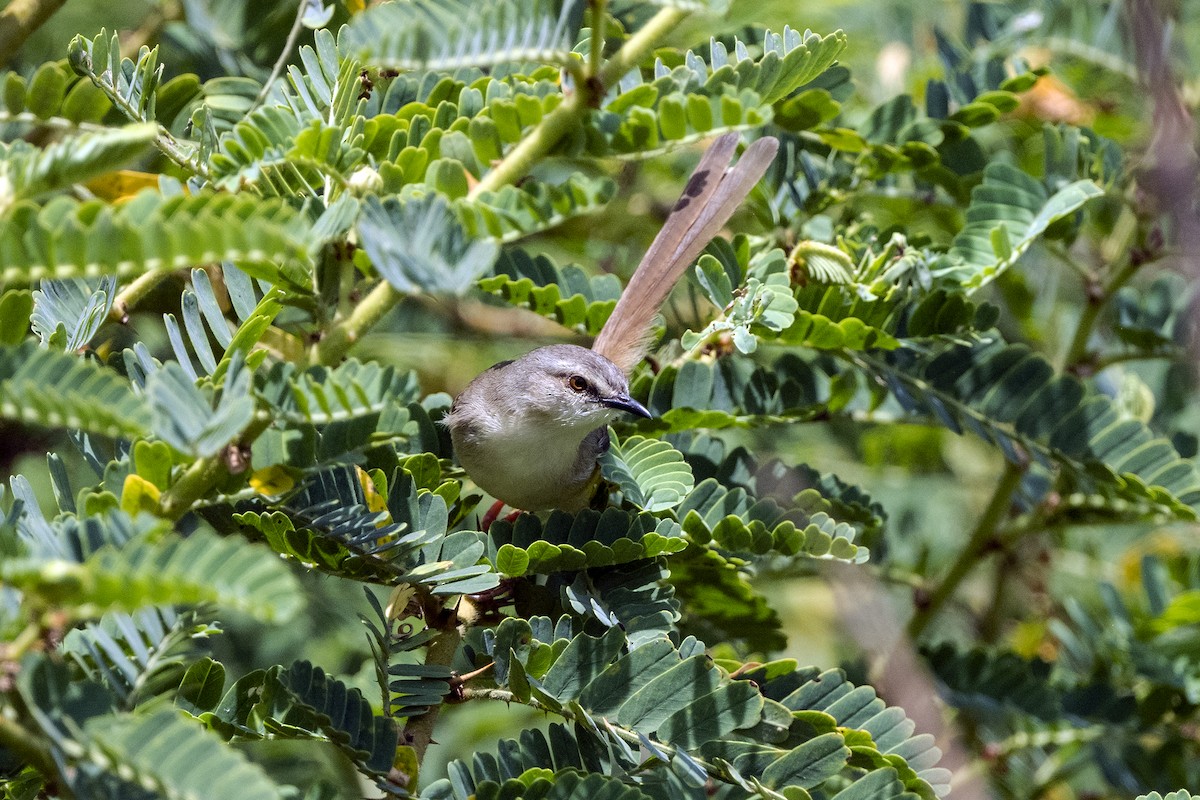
230, 304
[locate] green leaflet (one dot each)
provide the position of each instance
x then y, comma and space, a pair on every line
876, 306
701, 97
735, 521
203, 317
496, 777
650, 472
202, 686
162, 750
575, 542
51, 389
305, 132
31, 172
809, 764
730, 392
67, 314
327, 395
653, 121
1008, 682
816, 700
16, 309
136, 656
783, 727
68, 239
303, 702
1008, 212
446, 36
317, 548
685, 698
420, 245
1147, 317
518, 211
202, 568
77, 101
326, 524
1008, 395
719, 602
184, 416
566, 294
135, 89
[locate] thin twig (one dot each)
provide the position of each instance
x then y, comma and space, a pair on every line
596, 51
380, 300
281, 62
974, 551
134, 293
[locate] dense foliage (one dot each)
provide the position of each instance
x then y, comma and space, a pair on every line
235, 246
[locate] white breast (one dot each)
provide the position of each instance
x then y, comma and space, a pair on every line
531, 467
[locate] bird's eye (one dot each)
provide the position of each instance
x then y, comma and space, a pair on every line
578, 383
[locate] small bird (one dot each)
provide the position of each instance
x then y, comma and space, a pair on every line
530, 432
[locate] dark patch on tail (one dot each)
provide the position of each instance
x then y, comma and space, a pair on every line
695, 187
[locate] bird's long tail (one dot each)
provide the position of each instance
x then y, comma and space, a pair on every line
711, 196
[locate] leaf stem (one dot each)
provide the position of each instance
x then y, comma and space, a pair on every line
203, 475
596, 46
506, 696
134, 293
380, 300
555, 125
27, 638
989, 629
977, 546
637, 46
1097, 298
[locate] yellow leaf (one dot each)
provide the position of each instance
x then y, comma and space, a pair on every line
121, 184
139, 494
272, 481
375, 500
397, 604
405, 763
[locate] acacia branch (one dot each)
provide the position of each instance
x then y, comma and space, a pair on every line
514, 166
418, 733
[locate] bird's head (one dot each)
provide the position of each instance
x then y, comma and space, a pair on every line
574, 387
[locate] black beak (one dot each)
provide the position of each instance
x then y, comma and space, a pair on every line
627, 403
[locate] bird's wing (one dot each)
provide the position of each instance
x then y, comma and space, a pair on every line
711, 196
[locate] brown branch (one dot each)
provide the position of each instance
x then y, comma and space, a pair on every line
19, 19
1173, 170
897, 673
418, 733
